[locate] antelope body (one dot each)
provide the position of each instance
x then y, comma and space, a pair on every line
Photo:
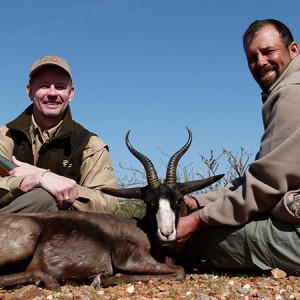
71, 246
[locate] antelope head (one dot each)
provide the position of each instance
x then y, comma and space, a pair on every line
164, 199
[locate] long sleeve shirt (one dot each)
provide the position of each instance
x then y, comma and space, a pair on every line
276, 169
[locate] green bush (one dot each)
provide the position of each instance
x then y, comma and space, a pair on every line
131, 208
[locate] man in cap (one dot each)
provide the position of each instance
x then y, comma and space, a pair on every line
59, 164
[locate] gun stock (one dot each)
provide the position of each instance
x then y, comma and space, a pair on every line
5, 166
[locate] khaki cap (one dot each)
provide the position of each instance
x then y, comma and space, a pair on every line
50, 60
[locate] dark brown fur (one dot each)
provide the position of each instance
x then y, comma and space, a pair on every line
59, 247
69, 246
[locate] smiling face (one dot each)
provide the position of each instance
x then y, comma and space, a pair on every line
51, 91
268, 56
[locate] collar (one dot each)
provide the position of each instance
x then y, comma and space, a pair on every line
24, 121
45, 135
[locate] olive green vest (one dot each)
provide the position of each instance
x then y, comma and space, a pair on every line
55, 153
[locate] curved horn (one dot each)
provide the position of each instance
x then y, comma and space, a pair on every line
151, 174
172, 166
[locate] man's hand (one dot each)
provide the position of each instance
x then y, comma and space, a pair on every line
190, 203
63, 189
23, 169
187, 226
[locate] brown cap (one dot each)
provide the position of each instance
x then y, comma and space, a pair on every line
50, 60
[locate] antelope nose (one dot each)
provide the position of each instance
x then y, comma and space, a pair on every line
167, 233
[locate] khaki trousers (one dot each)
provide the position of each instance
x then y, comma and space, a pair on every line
37, 200
262, 244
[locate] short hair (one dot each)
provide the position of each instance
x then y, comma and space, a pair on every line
284, 32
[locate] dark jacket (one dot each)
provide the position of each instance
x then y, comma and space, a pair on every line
55, 153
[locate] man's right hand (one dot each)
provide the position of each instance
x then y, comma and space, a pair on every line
190, 203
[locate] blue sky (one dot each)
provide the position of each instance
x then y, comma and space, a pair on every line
153, 67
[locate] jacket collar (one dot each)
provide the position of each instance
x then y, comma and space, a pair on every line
23, 122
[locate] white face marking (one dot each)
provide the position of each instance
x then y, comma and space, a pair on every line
165, 218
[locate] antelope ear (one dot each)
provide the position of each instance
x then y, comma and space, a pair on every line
135, 193
195, 185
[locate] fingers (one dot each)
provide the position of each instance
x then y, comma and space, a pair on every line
63, 189
69, 195
64, 203
15, 161
67, 199
190, 202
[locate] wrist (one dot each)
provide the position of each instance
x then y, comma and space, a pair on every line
200, 224
41, 178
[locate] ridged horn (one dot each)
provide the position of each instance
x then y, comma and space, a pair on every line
172, 166
151, 174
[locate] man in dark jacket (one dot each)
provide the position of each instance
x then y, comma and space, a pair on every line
59, 164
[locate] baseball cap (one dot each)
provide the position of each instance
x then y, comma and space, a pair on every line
48, 60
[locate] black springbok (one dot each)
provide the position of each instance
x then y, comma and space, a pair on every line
54, 248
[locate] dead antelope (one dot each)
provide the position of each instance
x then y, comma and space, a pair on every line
71, 246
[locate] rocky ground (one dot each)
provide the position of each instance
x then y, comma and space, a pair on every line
201, 287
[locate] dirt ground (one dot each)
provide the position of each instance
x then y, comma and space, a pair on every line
196, 286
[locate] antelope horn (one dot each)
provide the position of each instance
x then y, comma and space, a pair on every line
195, 185
151, 174
172, 166
128, 193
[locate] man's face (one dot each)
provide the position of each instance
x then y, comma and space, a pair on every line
268, 57
51, 91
